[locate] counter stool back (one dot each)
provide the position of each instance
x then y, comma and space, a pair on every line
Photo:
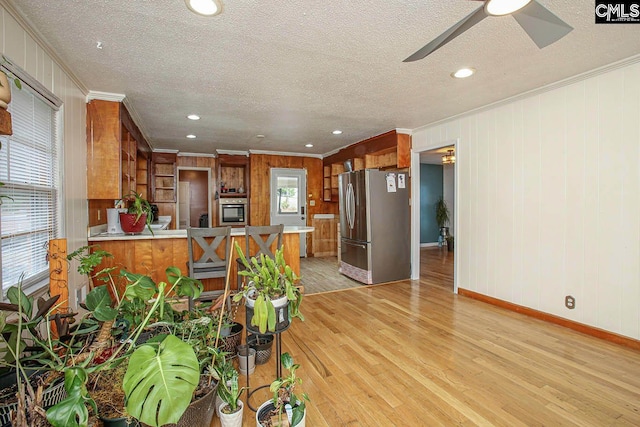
262, 237
209, 265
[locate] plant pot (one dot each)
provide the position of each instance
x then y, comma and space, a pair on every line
281, 306
267, 407
262, 345
246, 359
130, 225
450, 245
229, 344
50, 397
200, 412
119, 422
231, 420
5, 91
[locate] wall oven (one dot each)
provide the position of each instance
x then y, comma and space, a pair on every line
233, 211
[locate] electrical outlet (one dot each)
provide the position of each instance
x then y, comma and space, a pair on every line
570, 302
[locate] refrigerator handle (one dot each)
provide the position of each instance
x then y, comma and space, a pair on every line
351, 205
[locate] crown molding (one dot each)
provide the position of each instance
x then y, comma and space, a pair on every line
106, 96
164, 150
181, 154
538, 91
25, 23
286, 153
233, 152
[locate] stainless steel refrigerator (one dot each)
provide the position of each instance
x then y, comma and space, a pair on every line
375, 244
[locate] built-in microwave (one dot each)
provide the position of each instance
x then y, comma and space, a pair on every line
233, 211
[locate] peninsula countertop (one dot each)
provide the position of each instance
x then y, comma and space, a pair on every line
99, 233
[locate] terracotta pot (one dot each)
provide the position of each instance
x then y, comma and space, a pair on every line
5, 91
130, 225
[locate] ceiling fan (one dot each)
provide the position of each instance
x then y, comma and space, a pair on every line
541, 25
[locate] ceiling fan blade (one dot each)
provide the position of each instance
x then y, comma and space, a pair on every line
541, 25
469, 21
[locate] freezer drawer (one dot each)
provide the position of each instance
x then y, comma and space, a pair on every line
354, 253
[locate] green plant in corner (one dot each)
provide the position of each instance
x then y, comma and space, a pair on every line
442, 212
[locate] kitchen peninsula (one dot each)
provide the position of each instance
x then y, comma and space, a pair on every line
151, 254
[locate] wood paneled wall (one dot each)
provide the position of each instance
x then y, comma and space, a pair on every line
261, 164
548, 197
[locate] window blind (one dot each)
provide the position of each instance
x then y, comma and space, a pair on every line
29, 170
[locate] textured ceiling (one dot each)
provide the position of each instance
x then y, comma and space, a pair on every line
296, 70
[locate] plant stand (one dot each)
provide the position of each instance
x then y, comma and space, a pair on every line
278, 341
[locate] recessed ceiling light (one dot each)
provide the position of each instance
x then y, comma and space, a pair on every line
204, 7
463, 73
191, 136
308, 145
259, 136
504, 7
337, 132
193, 117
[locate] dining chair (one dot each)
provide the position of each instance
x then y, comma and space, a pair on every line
209, 265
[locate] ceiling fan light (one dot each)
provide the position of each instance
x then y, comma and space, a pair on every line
504, 7
204, 7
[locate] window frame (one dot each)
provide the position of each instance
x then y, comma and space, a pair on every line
37, 90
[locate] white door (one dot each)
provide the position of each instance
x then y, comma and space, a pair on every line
183, 214
289, 201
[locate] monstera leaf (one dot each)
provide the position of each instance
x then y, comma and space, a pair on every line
72, 411
159, 381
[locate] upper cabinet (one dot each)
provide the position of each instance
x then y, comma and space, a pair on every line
390, 150
233, 176
164, 177
113, 144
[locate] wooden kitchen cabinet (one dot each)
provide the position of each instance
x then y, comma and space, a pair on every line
163, 167
391, 151
113, 141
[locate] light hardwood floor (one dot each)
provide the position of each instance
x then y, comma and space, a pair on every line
412, 353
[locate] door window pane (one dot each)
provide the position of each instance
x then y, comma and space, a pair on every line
287, 195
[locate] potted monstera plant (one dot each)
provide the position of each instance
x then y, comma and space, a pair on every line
272, 297
162, 375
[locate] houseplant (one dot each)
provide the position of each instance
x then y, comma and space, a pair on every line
285, 401
442, 216
138, 214
5, 89
161, 375
230, 409
271, 296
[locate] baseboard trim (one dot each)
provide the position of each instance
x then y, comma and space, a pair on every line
580, 327
428, 245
